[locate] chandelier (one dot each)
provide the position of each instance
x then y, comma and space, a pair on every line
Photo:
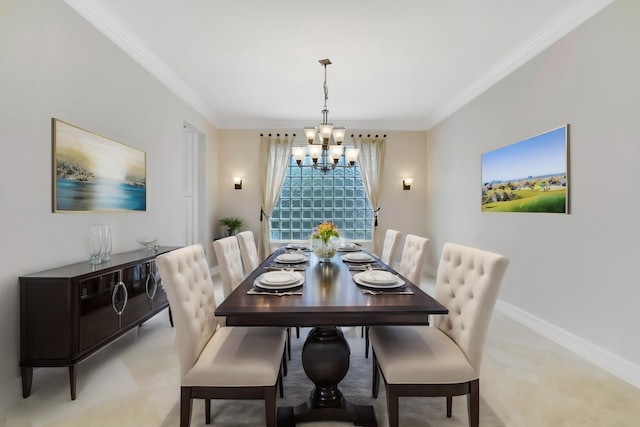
325, 157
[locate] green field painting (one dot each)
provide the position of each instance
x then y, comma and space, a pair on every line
528, 176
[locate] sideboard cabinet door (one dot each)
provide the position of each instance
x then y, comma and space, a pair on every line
98, 319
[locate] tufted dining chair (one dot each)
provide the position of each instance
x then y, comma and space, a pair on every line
390, 246
248, 251
443, 359
230, 263
229, 253
414, 255
216, 362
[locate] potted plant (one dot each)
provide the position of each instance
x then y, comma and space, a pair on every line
232, 224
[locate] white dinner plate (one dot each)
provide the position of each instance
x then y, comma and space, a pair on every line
349, 247
279, 278
357, 257
379, 277
358, 279
258, 283
291, 258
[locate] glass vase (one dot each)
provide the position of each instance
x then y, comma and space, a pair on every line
105, 252
95, 244
323, 250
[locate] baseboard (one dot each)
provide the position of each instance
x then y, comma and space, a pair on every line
10, 393
214, 270
430, 271
601, 357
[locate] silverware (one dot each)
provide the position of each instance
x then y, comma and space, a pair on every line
398, 292
280, 294
287, 267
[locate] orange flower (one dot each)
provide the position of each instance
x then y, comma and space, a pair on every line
325, 231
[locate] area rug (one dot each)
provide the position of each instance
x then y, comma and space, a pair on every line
356, 387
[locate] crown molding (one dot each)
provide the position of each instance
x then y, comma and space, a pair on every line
101, 17
98, 15
569, 19
298, 124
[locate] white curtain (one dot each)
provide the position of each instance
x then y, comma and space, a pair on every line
370, 162
275, 154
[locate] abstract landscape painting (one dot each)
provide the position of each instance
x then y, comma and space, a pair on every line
94, 173
528, 176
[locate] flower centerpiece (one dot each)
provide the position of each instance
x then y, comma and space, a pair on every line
320, 241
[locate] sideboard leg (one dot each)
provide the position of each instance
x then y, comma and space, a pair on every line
27, 381
73, 374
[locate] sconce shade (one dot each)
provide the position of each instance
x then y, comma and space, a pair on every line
406, 183
237, 182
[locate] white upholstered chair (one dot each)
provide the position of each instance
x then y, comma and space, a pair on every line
216, 362
230, 263
390, 246
414, 255
229, 252
248, 251
443, 359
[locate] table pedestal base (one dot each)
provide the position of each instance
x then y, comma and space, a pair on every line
325, 359
359, 415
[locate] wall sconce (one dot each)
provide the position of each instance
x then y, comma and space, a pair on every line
406, 183
237, 182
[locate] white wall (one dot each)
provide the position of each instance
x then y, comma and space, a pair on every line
574, 271
405, 157
55, 64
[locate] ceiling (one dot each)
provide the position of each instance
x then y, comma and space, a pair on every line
397, 65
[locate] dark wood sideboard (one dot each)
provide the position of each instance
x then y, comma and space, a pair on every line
69, 313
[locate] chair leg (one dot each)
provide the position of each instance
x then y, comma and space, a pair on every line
289, 342
207, 411
449, 405
392, 406
366, 342
375, 382
280, 383
284, 362
361, 331
185, 406
270, 406
473, 403
298, 332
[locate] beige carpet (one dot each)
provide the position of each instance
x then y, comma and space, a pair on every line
356, 387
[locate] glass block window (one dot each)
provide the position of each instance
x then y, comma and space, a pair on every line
309, 197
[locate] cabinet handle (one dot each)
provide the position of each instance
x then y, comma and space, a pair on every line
155, 287
113, 297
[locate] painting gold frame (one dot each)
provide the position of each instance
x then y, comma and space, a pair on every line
92, 173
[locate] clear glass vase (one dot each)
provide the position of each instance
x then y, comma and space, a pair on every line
95, 244
105, 252
323, 250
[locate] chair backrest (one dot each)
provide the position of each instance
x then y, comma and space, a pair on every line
414, 255
390, 246
248, 251
230, 263
467, 284
186, 278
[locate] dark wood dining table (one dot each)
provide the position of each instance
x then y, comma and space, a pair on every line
330, 299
